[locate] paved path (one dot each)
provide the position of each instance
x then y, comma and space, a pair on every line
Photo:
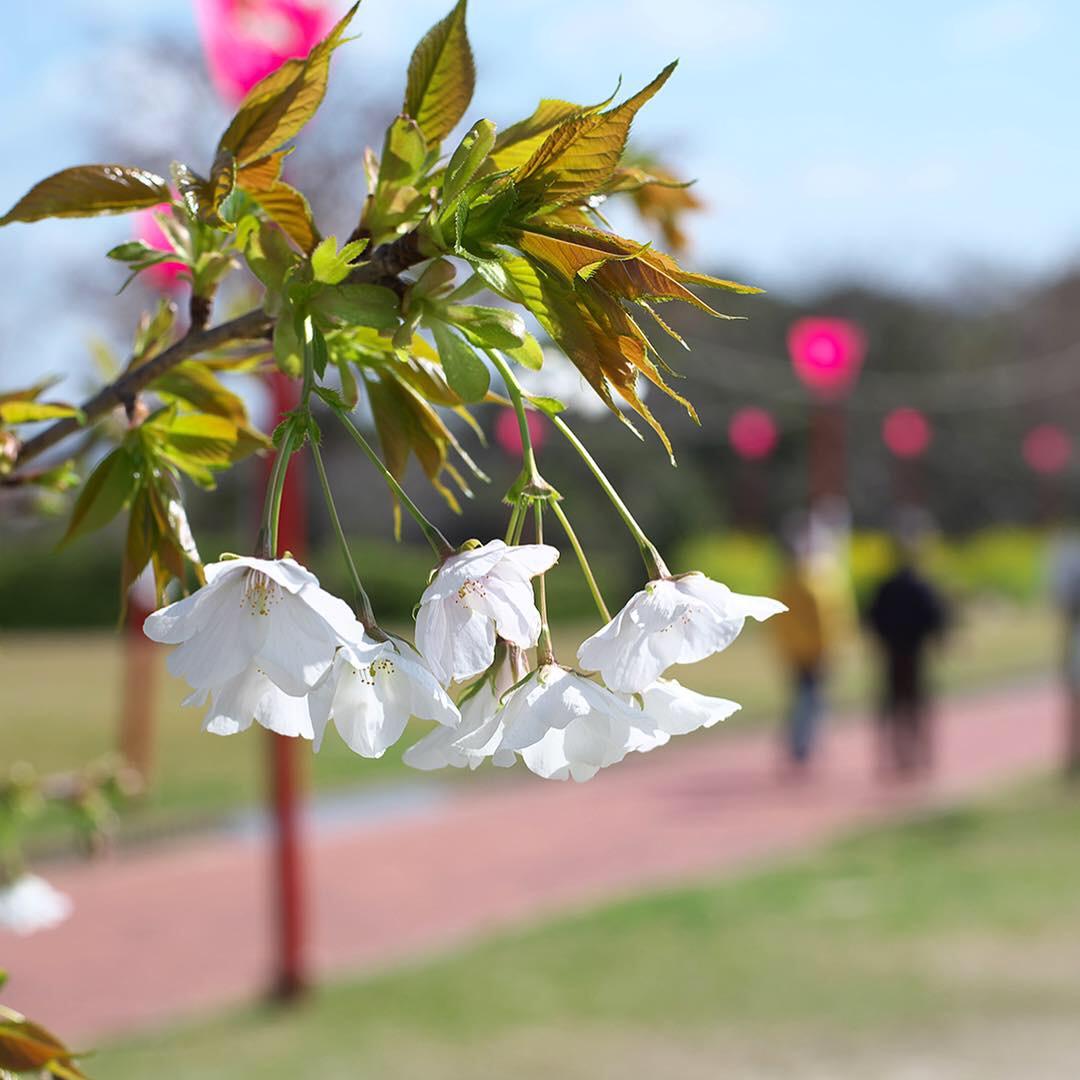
185, 927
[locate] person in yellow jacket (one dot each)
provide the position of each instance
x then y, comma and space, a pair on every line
800, 639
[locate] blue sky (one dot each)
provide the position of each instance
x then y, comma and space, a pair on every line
918, 143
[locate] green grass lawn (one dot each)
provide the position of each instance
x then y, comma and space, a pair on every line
946, 947
62, 693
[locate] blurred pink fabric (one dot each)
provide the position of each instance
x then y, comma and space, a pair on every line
245, 40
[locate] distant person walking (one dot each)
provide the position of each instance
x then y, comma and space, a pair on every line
906, 615
800, 640
1065, 590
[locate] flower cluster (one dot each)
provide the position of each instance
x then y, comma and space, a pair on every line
264, 643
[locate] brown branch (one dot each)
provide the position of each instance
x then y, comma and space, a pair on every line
386, 263
255, 324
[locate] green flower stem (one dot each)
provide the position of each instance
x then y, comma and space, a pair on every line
513, 388
515, 517
653, 562
545, 653
367, 615
579, 551
441, 546
267, 545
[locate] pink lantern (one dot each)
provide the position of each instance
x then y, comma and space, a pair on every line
166, 275
752, 433
906, 432
826, 354
508, 433
245, 40
1047, 449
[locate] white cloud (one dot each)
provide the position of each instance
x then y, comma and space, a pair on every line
996, 27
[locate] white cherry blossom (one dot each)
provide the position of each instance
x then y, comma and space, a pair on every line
252, 696
677, 710
29, 904
255, 639
474, 596
671, 621
565, 725
481, 729
372, 691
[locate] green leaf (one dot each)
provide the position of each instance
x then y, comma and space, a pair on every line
404, 154
288, 350
359, 305
350, 391
466, 160
135, 251
142, 536
199, 437
331, 266
89, 190
29, 412
154, 333
276, 108
62, 477
104, 494
466, 373
441, 77
548, 405
437, 280
30, 393
488, 327
196, 385
267, 252
529, 354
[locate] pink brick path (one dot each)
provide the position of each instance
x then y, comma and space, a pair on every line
185, 927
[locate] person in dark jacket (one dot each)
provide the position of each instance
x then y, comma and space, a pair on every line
906, 615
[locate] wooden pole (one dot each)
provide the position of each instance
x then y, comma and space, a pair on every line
290, 976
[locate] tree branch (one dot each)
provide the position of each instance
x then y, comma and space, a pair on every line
255, 324
386, 263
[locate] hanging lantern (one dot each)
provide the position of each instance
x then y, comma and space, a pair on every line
752, 433
245, 40
508, 433
1047, 449
826, 354
907, 433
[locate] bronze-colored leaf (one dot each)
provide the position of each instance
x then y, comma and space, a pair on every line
278, 106
289, 209
621, 267
442, 76
261, 175
580, 154
29, 1047
90, 190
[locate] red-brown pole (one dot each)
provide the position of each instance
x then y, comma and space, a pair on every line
290, 978
828, 452
141, 665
